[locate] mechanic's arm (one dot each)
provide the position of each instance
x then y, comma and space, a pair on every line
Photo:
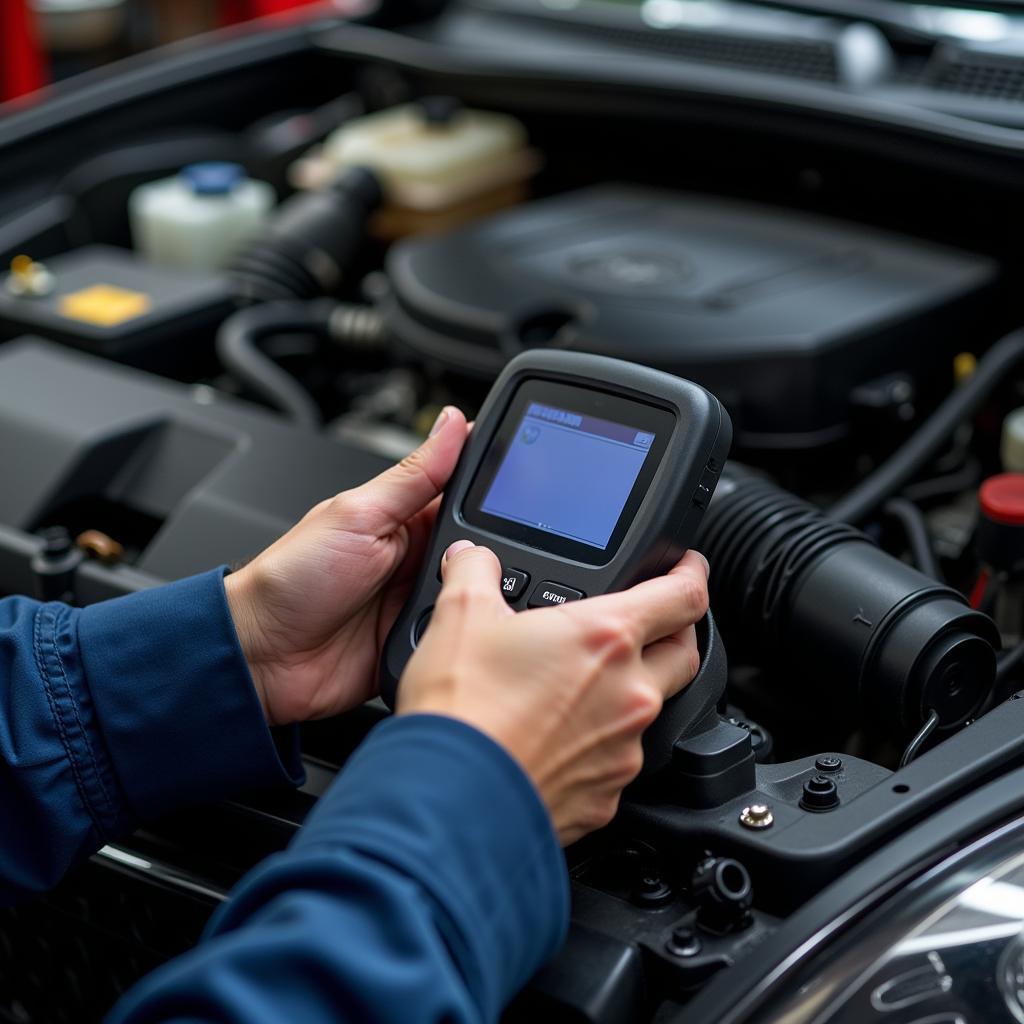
428, 883
129, 708
135, 707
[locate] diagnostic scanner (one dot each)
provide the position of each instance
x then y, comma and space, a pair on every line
583, 474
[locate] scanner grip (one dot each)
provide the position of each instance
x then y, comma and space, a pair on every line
694, 709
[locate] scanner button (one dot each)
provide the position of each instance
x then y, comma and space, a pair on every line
705, 488
513, 583
548, 594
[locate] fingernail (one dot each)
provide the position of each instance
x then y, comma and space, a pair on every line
459, 545
442, 419
707, 565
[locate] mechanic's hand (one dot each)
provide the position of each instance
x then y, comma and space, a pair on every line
313, 610
567, 691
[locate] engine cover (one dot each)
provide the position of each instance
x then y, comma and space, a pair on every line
184, 478
780, 314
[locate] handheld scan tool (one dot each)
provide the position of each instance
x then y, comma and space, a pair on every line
583, 474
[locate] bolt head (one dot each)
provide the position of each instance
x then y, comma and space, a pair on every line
757, 816
684, 942
652, 891
820, 784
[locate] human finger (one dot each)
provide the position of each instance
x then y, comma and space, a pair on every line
412, 484
673, 661
660, 606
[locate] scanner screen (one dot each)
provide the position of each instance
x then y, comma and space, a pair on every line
568, 474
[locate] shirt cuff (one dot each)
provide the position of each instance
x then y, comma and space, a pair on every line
174, 700
445, 805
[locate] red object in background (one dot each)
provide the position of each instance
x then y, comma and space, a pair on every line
1002, 499
999, 535
244, 10
22, 67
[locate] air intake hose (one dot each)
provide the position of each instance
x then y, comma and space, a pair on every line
310, 243
821, 606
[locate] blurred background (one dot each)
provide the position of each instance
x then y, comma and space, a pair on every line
45, 40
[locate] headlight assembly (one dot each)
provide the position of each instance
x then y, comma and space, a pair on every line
946, 948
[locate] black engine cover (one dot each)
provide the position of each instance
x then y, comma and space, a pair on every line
779, 314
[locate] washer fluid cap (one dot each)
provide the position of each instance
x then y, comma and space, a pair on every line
214, 178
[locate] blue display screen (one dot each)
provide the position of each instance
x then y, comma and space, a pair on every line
568, 474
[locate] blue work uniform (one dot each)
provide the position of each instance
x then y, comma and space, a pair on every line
427, 884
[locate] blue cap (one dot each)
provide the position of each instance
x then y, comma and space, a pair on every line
213, 178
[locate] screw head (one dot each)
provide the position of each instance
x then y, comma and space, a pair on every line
652, 891
829, 763
757, 816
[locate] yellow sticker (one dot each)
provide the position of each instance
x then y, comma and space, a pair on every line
104, 305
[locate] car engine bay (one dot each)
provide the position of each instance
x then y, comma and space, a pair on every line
406, 215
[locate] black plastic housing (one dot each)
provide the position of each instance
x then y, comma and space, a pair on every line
185, 479
665, 522
171, 332
781, 314
712, 767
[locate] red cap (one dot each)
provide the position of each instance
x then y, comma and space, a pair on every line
1002, 499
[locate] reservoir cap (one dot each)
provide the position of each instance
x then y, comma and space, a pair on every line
213, 178
999, 539
1002, 499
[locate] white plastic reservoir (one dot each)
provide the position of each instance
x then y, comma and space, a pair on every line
200, 217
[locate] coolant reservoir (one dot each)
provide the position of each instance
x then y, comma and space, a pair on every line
199, 218
439, 163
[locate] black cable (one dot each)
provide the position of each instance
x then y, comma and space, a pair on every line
915, 745
926, 442
239, 337
948, 485
915, 529
238, 349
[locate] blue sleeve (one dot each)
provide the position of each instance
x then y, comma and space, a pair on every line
427, 886
122, 711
